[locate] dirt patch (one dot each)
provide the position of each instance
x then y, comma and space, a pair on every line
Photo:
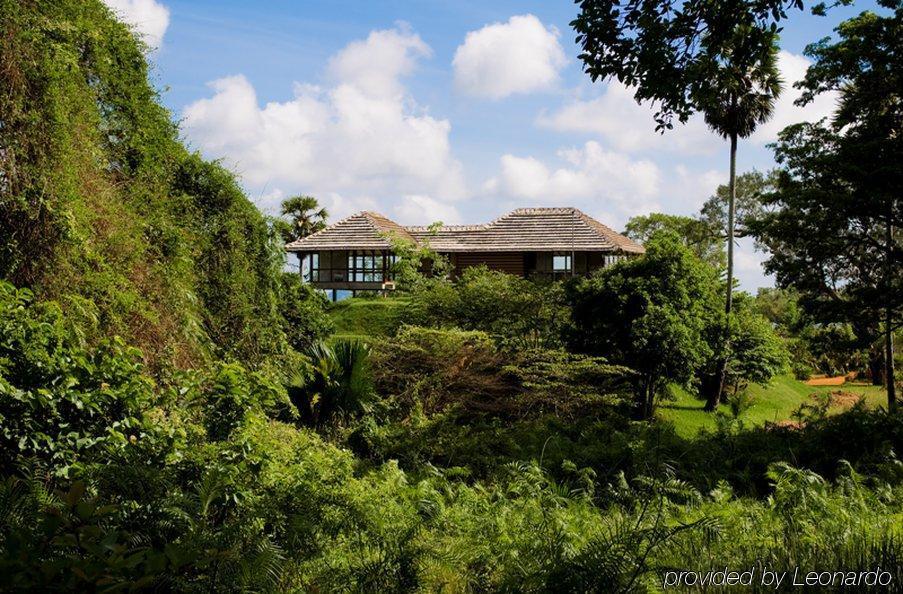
788, 424
827, 381
842, 399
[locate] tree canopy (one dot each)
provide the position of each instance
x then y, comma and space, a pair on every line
649, 313
832, 225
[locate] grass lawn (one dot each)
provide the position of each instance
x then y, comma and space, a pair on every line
775, 402
361, 319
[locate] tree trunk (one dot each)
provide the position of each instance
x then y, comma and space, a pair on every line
876, 363
714, 398
889, 377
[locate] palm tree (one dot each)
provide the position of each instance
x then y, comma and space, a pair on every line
306, 217
738, 96
338, 384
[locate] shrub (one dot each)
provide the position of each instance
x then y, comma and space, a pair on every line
303, 313
517, 312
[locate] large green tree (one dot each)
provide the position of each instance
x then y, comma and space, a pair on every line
716, 58
698, 234
650, 314
749, 188
833, 223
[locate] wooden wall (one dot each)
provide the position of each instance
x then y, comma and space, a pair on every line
510, 262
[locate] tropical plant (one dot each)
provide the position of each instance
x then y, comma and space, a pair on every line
305, 217
650, 314
339, 386
708, 57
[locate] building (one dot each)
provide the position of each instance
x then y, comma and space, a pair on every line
355, 254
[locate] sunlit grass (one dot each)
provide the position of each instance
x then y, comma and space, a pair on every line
366, 318
772, 403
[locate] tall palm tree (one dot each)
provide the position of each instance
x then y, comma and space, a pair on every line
306, 214
738, 96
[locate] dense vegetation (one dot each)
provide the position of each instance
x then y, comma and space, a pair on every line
176, 414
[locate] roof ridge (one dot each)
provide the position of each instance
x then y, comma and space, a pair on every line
617, 239
424, 228
326, 228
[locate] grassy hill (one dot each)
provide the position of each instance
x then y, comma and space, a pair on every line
367, 318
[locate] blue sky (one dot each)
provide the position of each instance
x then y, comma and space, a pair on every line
428, 110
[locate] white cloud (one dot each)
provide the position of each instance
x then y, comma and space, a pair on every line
501, 59
793, 68
148, 18
422, 210
590, 177
625, 125
628, 126
689, 190
361, 141
375, 65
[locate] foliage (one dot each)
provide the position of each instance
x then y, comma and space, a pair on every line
649, 313
433, 370
340, 386
756, 354
417, 265
305, 215
517, 312
699, 235
832, 226
104, 210
303, 313
208, 491
748, 202
682, 56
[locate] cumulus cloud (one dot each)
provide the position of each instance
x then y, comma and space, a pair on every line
626, 125
501, 59
588, 176
423, 210
359, 141
148, 18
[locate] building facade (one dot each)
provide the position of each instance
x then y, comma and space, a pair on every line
355, 254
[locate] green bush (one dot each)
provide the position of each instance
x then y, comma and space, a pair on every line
517, 312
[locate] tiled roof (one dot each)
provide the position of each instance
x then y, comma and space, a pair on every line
524, 229
361, 231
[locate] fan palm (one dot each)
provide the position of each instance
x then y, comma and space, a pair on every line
736, 95
338, 384
306, 214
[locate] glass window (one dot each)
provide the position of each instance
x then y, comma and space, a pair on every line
310, 268
561, 262
612, 260
365, 266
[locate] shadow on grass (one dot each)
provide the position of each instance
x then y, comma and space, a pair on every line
480, 447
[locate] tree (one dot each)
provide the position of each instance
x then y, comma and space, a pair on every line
306, 217
716, 58
750, 187
649, 314
757, 352
833, 232
699, 235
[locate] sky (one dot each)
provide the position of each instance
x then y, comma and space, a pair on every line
427, 110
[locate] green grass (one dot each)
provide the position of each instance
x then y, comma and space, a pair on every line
365, 318
774, 402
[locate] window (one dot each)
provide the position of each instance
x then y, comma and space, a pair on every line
561, 262
313, 271
612, 260
365, 266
